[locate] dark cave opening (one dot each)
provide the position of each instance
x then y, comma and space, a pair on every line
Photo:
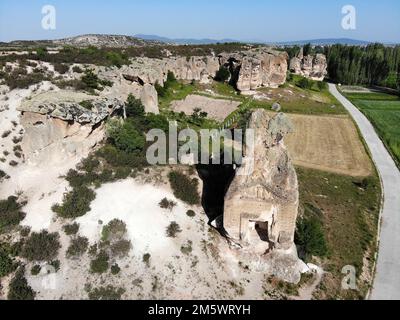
216, 181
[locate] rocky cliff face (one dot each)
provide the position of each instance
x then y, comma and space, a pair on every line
257, 68
262, 202
313, 67
250, 69
58, 128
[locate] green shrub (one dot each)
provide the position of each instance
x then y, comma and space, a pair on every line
75, 203
36, 270
87, 104
126, 137
121, 248
190, 213
161, 91
56, 264
61, 68
146, 259
71, 229
11, 213
167, 204
100, 263
222, 74
184, 188
106, 293
305, 83
6, 262
77, 69
115, 269
187, 248
310, 237
322, 85
19, 288
2, 174
77, 247
134, 107
90, 80
114, 230
41, 246
173, 229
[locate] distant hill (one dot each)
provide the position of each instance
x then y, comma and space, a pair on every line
325, 42
98, 40
183, 40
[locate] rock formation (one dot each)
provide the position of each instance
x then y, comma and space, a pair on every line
57, 127
313, 67
250, 69
258, 68
262, 202
149, 98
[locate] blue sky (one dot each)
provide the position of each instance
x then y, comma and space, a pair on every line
266, 20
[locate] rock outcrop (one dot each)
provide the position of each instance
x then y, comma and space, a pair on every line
257, 68
66, 106
261, 204
149, 98
57, 128
249, 69
313, 67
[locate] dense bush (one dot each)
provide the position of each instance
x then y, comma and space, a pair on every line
36, 270
134, 107
75, 203
41, 246
2, 174
100, 263
6, 262
126, 137
19, 288
190, 213
222, 74
106, 293
121, 248
78, 246
77, 69
310, 237
19, 78
305, 83
114, 230
115, 269
71, 229
167, 204
61, 68
173, 229
10, 213
184, 188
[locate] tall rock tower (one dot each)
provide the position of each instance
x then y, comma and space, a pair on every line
261, 204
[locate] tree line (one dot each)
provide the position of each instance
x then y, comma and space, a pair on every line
374, 64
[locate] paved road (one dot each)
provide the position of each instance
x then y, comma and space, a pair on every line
387, 278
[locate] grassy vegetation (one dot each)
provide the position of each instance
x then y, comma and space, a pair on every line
383, 110
348, 209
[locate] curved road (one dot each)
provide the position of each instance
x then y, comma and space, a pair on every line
387, 278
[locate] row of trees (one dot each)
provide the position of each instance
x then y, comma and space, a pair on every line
374, 64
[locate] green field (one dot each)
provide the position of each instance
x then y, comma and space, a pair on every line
383, 110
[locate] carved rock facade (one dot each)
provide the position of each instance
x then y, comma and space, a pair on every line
261, 204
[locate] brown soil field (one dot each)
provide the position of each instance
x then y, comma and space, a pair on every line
328, 143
